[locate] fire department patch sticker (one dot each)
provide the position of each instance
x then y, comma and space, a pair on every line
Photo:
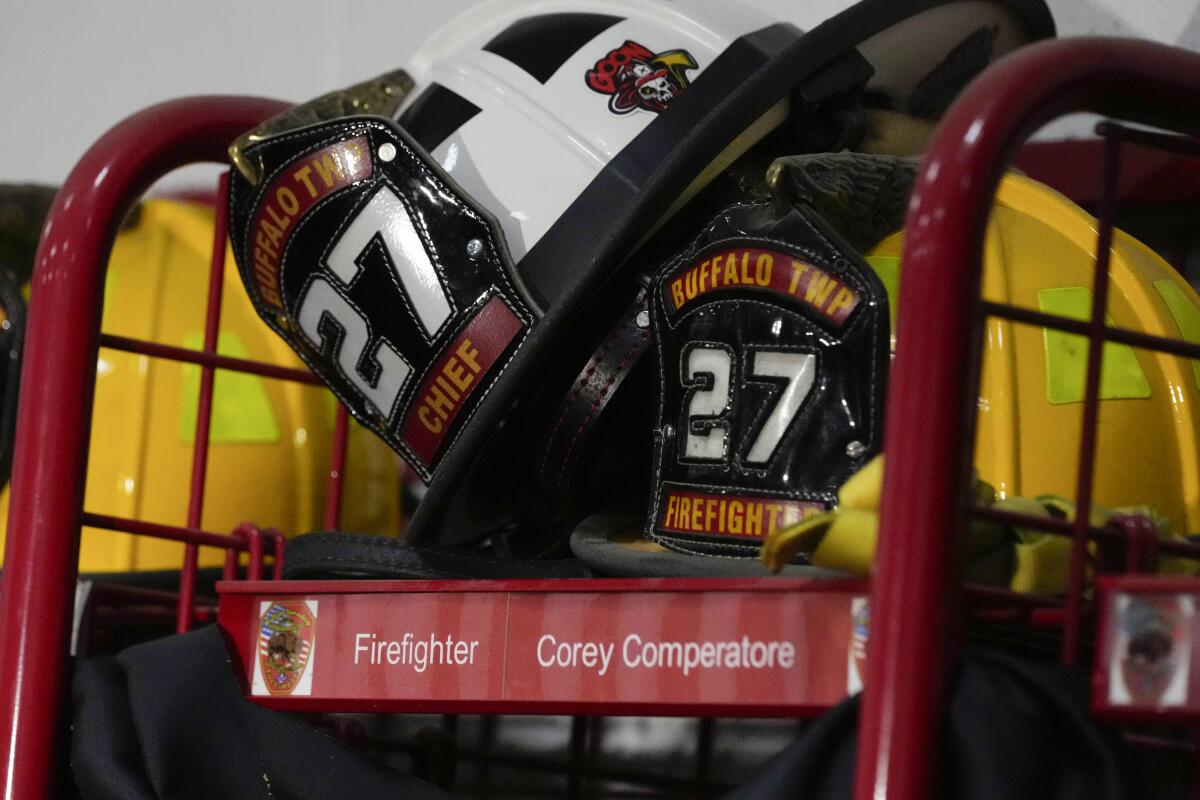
636, 77
770, 337
1150, 664
286, 642
388, 281
856, 656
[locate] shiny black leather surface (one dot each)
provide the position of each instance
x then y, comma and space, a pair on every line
837, 428
462, 241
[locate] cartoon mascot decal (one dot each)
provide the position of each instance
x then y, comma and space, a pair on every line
635, 77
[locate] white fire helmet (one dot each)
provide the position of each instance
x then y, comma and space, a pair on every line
454, 249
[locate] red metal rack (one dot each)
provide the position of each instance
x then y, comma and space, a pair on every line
46, 512
916, 591
931, 401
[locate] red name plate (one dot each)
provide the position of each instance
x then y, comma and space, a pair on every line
749, 648
1147, 654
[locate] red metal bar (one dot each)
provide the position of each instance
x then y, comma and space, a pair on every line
157, 350
108, 592
100, 606
1141, 543
1048, 617
337, 469
212, 326
1149, 175
229, 569
160, 531
55, 407
254, 566
655, 784
1168, 142
143, 614
278, 547
1062, 527
559, 585
931, 396
1133, 552
1091, 399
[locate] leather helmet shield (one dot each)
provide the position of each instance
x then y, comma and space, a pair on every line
771, 343
391, 284
586, 240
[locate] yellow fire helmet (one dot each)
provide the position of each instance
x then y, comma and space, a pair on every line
270, 439
1040, 254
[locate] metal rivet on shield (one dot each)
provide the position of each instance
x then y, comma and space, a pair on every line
387, 152
643, 319
475, 248
855, 449
373, 414
283, 321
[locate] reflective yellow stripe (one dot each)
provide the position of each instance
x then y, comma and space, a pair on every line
241, 411
1186, 314
1121, 377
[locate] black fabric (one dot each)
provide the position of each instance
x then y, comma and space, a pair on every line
1015, 729
540, 45
348, 555
167, 720
166, 580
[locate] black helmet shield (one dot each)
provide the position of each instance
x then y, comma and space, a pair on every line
397, 288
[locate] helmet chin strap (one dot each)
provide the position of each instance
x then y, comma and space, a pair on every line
585, 402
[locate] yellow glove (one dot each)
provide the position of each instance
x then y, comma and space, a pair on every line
1042, 559
1025, 559
852, 525
845, 537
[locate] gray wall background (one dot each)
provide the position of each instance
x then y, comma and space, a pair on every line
70, 70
